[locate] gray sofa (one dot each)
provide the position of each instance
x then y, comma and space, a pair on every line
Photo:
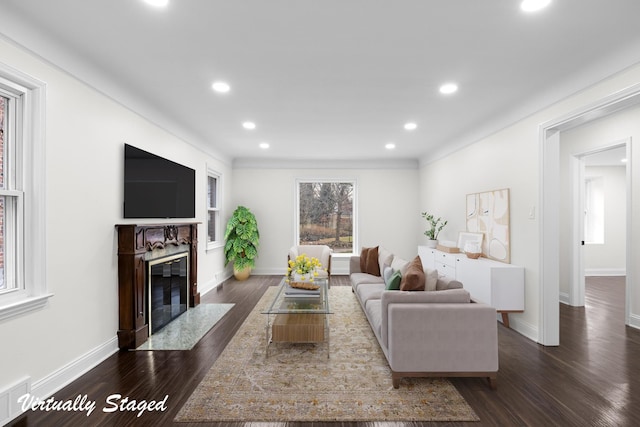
440, 333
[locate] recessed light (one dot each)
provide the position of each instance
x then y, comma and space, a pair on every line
624, 160
249, 125
157, 3
410, 126
534, 5
390, 146
221, 87
448, 88
264, 145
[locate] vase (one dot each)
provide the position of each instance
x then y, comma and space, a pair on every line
432, 243
242, 274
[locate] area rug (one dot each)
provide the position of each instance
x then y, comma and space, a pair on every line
185, 331
297, 382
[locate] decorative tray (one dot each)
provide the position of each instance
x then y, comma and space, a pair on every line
304, 285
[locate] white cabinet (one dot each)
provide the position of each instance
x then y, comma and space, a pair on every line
494, 283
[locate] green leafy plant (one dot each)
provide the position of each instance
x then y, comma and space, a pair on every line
242, 237
435, 225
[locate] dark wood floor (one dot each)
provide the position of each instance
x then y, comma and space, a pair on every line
591, 379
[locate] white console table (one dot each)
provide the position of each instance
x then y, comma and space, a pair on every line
494, 283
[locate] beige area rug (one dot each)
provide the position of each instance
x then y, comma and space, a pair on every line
297, 382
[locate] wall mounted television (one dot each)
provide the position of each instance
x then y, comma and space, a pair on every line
155, 187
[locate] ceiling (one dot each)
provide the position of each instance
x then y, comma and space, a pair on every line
331, 79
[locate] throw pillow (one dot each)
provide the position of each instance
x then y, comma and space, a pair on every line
414, 278
431, 281
363, 259
384, 258
394, 281
373, 267
369, 261
386, 274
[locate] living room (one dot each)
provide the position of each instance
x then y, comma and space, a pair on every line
88, 121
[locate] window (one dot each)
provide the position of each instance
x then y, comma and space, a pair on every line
594, 210
214, 235
22, 198
326, 214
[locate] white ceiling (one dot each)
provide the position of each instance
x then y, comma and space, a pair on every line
331, 79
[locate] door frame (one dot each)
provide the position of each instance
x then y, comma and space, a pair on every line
549, 255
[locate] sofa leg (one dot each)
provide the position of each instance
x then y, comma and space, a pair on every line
493, 383
396, 381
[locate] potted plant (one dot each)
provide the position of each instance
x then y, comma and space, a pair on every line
241, 245
435, 227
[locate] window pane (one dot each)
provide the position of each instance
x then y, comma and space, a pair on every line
3, 283
211, 228
213, 190
3, 104
326, 215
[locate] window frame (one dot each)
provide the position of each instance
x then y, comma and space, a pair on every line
212, 173
354, 182
26, 185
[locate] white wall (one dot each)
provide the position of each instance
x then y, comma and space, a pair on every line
388, 209
85, 134
511, 159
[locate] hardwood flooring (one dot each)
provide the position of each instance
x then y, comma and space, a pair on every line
591, 379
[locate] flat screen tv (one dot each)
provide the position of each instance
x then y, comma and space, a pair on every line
155, 187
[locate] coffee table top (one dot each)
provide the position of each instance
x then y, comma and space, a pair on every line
296, 301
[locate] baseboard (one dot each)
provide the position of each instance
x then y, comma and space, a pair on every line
210, 285
523, 328
55, 381
634, 321
605, 272
564, 298
9, 406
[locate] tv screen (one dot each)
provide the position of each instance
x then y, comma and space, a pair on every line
155, 187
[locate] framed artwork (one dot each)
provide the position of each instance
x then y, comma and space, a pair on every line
464, 237
488, 213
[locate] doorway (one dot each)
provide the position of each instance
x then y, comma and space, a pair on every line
549, 138
601, 203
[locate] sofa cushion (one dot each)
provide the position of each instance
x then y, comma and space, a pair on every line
369, 261
374, 315
359, 278
413, 279
431, 279
369, 291
393, 283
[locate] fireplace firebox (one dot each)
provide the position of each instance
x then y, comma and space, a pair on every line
143, 251
167, 295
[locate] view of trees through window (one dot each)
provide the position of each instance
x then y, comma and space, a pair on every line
326, 214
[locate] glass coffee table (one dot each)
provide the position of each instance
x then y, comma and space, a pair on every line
299, 315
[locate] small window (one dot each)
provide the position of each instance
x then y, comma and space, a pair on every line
22, 198
326, 214
214, 234
594, 210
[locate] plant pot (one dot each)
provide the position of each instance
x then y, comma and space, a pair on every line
242, 274
432, 243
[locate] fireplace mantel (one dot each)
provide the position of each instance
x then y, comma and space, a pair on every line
138, 244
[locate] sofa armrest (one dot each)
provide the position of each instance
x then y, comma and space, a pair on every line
449, 296
455, 337
354, 264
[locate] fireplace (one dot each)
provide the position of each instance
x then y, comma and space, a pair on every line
144, 254
167, 290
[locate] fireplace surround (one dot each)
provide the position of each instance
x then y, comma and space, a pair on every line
140, 247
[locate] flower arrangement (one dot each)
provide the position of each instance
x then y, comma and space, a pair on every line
304, 267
